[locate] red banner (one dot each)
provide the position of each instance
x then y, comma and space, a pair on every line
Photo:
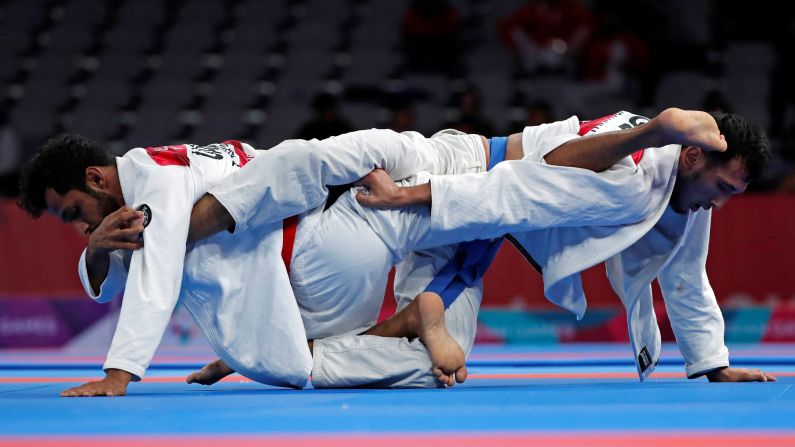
38, 258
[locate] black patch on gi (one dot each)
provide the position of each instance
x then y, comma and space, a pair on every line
644, 359
147, 214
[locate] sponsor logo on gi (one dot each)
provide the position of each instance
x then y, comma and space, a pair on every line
644, 359
147, 214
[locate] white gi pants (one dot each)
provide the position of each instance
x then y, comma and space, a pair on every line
339, 273
340, 291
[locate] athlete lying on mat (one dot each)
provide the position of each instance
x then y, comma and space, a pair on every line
163, 183
658, 236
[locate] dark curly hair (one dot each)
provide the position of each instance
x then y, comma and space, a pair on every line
61, 165
745, 141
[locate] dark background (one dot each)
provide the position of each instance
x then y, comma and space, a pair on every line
132, 73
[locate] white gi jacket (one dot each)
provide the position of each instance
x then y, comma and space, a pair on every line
639, 237
236, 288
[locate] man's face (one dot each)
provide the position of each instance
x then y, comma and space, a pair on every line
708, 185
84, 210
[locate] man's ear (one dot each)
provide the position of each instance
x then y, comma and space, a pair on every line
692, 157
95, 178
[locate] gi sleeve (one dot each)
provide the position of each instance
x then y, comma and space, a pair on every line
113, 283
293, 177
538, 141
523, 195
692, 308
155, 275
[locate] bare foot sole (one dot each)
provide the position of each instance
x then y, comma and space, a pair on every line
447, 357
211, 373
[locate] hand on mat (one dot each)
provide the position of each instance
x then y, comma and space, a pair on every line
119, 230
381, 190
739, 375
690, 128
114, 384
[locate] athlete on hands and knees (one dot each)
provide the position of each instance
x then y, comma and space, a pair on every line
697, 132
703, 181
596, 153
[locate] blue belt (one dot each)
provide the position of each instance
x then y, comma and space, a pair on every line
473, 258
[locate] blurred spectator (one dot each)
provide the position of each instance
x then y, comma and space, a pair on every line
782, 92
402, 115
546, 34
467, 116
613, 53
430, 32
787, 160
11, 158
326, 121
539, 112
714, 101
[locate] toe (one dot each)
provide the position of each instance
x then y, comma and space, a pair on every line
461, 374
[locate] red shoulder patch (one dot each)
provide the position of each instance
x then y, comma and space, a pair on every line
169, 155
638, 156
241, 154
587, 126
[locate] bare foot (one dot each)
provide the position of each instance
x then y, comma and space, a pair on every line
211, 373
447, 357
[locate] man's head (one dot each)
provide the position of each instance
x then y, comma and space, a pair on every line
74, 179
708, 179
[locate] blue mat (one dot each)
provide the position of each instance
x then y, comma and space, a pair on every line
500, 397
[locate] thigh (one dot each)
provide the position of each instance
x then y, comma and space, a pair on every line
339, 273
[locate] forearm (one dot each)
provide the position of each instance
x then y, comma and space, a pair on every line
207, 218
97, 267
671, 126
416, 195
601, 151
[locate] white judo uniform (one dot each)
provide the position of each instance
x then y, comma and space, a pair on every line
164, 183
662, 244
567, 219
342, 256
236, 286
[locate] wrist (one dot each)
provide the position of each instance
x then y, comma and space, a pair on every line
404, 196
415, 195
652, 134
716, 374
119, 376
94, 254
